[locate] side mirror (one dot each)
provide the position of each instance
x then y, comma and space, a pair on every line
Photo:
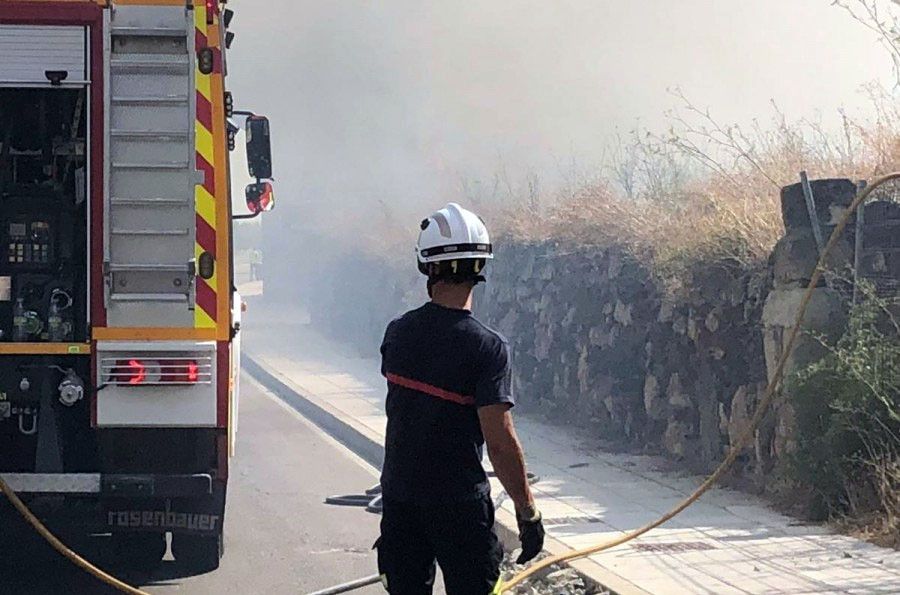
259, 148
260, 197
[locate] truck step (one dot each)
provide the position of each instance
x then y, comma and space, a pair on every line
120, 267
148, 31
151, 100
159, 165
149, 232
149, 135
149, 202
149, 297
140, 63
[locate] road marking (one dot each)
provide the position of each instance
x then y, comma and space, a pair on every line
376, 473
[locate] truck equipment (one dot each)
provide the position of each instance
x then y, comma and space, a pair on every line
119, 318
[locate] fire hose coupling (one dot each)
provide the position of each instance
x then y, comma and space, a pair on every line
71, 389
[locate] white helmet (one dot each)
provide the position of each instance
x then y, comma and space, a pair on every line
456, 237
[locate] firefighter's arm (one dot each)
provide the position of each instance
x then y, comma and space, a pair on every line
507, 457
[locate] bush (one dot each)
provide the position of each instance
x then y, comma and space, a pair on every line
848, 420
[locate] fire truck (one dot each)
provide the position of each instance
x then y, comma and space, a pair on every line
119, 319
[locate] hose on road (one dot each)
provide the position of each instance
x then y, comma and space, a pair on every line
748, 434
351, 586
60, 547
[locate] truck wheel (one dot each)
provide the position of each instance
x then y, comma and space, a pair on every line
140, 551
200, 553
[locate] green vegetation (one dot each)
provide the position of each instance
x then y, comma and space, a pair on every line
847, 456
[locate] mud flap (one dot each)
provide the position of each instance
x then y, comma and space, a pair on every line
192, 516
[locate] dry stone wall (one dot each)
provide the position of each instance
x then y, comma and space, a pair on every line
598, 342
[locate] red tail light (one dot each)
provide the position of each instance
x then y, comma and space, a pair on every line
193, 372
137, 372
158, 372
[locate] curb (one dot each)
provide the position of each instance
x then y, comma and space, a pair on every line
359, 440
327, 418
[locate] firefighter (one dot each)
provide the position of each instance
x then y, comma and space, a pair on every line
448, 395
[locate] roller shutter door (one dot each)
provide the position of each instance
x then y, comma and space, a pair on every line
30, 51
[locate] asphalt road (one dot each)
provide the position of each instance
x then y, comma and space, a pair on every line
280, 537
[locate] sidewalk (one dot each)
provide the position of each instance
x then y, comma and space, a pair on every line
728, 542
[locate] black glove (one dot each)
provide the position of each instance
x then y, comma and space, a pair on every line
531, 534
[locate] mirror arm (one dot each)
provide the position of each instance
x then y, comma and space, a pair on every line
248, 216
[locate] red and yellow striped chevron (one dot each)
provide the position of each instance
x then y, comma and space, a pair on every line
206, 207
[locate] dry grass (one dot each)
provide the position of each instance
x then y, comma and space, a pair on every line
728, 207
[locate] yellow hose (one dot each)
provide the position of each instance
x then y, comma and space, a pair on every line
61, 547
744, 439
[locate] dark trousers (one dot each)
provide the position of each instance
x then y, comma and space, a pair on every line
458, 535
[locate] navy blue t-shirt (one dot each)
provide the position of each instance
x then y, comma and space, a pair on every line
441, 365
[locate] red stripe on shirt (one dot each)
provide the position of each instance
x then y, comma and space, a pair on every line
430, 390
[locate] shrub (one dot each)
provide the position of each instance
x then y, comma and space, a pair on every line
848, 419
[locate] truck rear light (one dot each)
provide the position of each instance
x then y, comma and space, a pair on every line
141, 371
180, 372
193, 372
137, 372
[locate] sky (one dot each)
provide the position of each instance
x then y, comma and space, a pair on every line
397, 101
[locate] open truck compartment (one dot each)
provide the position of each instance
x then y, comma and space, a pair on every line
44, 418
43, 215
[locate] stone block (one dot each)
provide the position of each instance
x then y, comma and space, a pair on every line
666, 311
675, 393
831, 196
826, 310
693, 329
677, 439
796, 255
826, 315
622, 313
680, 324
882, 210
743, 405
654, 403
543, 342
